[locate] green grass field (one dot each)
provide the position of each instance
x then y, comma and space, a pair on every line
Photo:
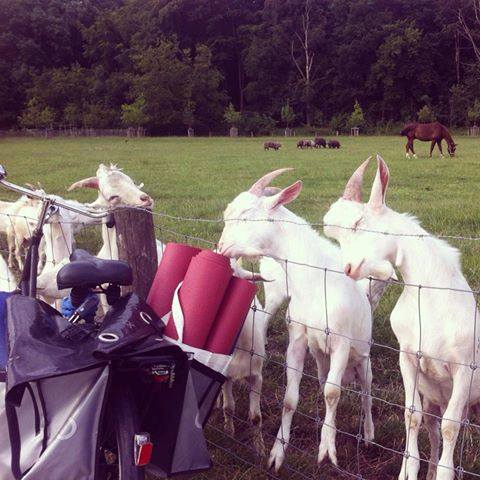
196, 178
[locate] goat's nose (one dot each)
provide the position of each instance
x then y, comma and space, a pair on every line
348, 269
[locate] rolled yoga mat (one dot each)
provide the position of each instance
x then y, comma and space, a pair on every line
201, 295
171, 271
231, 316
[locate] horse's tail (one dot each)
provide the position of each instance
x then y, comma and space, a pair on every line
405, 130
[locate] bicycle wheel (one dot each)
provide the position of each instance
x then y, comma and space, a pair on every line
115, 456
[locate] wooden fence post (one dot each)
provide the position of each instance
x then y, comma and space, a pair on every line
137, 246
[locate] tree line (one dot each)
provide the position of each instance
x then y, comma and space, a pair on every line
167, 65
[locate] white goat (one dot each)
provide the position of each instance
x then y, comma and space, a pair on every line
115, 188
7, 279
4, 219
21, 219
430, 324
346, 313
247, 364
59, 241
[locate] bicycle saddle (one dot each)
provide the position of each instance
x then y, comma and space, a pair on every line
85, 270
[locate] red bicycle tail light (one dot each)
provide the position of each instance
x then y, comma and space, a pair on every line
143, 449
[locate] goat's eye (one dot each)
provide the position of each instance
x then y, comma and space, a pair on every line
113, 198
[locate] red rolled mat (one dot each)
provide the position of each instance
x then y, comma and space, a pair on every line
201, 295
231, 316
171, 271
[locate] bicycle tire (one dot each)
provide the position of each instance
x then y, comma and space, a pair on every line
116, 446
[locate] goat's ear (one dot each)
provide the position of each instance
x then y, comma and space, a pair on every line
380, 185
353, 188
270, 191
91, 182
285, 196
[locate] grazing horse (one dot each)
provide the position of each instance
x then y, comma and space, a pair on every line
434, 132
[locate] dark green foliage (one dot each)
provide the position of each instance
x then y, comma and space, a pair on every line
70, 62
426, 115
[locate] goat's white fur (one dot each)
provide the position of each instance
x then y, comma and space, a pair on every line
115, 189
19, 219
447, 318
347, 311
7, 279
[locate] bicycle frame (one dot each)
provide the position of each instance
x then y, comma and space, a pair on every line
50, 205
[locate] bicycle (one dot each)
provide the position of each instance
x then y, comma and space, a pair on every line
122, 448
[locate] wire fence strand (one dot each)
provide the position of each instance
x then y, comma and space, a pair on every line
355, 460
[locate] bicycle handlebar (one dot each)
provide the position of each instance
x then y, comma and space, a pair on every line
48, 198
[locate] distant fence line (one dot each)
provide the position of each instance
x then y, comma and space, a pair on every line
142, 132
75, 132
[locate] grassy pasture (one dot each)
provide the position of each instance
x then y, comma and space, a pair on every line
197, 177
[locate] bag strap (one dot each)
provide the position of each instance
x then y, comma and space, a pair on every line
14, 429
45, 418
35, 409
14, 434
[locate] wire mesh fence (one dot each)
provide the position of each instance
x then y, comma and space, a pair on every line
233, 434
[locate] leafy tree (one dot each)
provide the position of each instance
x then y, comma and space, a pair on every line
72, 115
232, 116
206, 99
133, 114
338, 122
459, 103
97, 116
252, 122
179, 86
392, 77
189, 114
190, 58
36, 116
287, 114
426, 115
162, 82
474, 112
356, 118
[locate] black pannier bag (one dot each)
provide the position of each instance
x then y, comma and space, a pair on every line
56, 388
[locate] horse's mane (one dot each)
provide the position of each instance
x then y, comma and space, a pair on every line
446, 134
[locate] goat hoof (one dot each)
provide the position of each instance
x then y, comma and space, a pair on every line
327, 449
322, 453
445, 474
368, 433
277, 456
410, 473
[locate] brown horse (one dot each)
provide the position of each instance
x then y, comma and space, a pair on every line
434, 132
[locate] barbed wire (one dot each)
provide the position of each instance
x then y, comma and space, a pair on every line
308, 224
258, 220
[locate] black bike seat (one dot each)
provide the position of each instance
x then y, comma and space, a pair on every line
86, 270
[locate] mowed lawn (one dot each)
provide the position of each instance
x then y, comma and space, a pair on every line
196, 178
